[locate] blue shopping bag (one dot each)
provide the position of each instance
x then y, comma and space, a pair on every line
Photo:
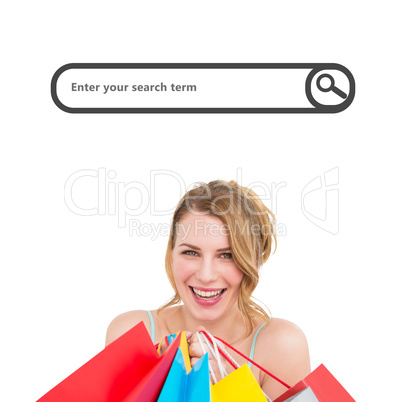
182, 387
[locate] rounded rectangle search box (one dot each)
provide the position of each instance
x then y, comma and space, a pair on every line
203, 88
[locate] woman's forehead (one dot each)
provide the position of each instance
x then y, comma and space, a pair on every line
202, 229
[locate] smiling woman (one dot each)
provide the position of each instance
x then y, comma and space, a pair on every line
221, 235
202, 270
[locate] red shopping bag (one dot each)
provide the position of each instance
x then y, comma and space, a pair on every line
324, 386
129, 369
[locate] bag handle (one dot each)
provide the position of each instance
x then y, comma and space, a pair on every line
215, 353
225, 354
220, 350
168, 339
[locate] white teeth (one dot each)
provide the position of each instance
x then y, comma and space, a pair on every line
207, 295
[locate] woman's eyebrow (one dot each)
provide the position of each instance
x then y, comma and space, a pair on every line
189, 245
224, 249
197, 248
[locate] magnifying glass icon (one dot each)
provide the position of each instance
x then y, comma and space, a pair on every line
331, 86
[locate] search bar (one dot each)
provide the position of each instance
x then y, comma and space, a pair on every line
203, 88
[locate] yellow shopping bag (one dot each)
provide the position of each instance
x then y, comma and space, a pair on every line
238, 386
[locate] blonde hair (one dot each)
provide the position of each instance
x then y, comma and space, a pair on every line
250, 225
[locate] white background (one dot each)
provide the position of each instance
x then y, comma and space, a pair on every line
64, 277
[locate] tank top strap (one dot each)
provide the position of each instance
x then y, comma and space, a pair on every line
152, 326
251, 356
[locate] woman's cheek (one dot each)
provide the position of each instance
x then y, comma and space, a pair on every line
182, 270
235, 275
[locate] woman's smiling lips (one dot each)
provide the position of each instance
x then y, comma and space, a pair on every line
207, 296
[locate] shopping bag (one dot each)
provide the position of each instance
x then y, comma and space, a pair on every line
184, 350
307, 395
239, 386
181, 386
183, 347
127, 370
324, 385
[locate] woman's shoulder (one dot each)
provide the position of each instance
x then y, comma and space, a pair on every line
124, 322
282, 349
282, 331
283, 338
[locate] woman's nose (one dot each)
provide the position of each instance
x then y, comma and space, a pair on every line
207, 271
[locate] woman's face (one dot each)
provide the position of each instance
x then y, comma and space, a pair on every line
206, 277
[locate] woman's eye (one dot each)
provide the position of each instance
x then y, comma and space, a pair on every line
227, 256
190, 252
